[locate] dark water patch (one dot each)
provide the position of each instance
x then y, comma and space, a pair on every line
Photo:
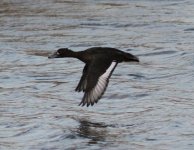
20, 9
93, 19
137, 76
126, 126
129, 49
70, 136
189, 29
67, 1
175, 3
118, 96
87, 123
94, 24
38, 53
150, 139
114, 25
94, 131
130, 25
15, 125
142, 95
159, 53
113, 4
26, 131
168, 76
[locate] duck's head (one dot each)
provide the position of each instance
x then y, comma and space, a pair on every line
60, 53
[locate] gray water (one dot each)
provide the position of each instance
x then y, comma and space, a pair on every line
148, 106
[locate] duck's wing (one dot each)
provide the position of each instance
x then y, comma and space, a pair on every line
95, 80
83, 82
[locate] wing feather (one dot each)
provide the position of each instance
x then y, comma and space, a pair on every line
83, 81
93, 94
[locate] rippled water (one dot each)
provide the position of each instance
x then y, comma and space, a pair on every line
146, 106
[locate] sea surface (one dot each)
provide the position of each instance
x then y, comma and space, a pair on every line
147, 105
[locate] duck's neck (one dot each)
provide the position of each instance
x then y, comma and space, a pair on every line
73, 54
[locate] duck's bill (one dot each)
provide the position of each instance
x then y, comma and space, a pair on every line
134, 58
131, 57
54, 55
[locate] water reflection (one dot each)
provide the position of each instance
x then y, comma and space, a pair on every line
91, 130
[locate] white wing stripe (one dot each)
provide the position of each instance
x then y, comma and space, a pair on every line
100, 87
108, 71
101, 84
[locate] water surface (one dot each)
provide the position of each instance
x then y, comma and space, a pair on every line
146, 106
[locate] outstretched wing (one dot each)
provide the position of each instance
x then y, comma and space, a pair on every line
83, 82
95, 80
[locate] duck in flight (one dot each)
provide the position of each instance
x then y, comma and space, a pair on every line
100, 62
